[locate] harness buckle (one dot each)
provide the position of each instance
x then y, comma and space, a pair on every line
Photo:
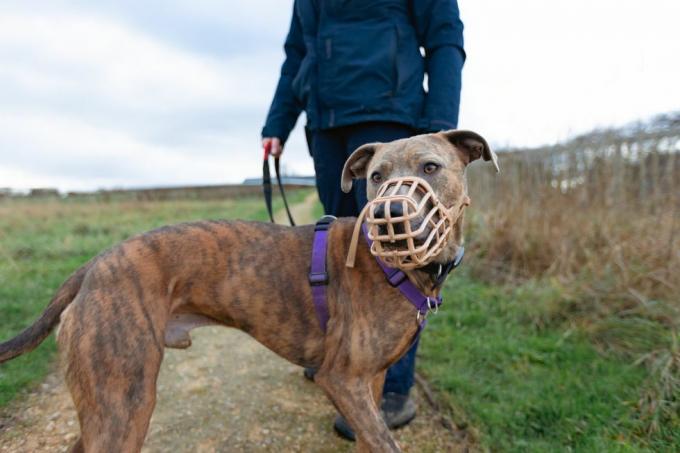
318, 278
324, 223
396, 277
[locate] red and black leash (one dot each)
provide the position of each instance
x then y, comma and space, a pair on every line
267, 185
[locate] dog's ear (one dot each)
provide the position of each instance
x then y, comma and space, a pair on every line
355, 167
471, 146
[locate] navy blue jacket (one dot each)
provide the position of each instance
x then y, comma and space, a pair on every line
352, 61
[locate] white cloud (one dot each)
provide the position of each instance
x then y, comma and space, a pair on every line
89, 55
539, 71
84, 100
102, 94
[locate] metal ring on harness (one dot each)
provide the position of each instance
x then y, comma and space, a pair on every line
432, 303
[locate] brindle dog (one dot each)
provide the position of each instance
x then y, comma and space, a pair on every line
120, 310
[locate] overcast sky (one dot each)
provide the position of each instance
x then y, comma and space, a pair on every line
123, 93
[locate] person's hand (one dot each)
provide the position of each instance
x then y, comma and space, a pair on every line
275, 143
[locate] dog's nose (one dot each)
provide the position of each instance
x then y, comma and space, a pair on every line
396, 210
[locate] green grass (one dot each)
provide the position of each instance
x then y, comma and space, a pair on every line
43, 241
527, 387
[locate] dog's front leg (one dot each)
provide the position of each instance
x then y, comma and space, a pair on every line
377, 387
355, 398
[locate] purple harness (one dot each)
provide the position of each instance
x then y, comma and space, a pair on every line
318, 274
318, 279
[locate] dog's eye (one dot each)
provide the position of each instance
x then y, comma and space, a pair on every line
430, 168
376, 177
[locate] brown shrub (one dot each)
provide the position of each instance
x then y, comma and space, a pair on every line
601, 212
601, 216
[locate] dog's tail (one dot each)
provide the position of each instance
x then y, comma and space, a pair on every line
32, 336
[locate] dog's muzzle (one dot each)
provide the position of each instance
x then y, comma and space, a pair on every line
407, 224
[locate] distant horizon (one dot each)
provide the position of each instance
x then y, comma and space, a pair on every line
286, 173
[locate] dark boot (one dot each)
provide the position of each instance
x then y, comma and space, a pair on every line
309, 373
397, 411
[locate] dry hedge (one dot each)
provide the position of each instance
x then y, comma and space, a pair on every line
600, 217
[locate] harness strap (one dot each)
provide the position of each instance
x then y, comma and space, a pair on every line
318, 278
398, 279
318, 274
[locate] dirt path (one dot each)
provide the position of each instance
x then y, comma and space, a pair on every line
302, 212
225, 393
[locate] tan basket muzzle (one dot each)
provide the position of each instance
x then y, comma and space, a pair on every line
407, 224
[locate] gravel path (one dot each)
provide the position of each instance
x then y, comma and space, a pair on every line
225, 393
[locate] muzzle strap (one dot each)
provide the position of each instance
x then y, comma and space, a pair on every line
354, 242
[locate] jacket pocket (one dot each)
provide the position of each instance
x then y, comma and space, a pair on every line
358, 65
301, 84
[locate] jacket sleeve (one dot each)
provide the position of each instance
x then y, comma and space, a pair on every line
440, 33
285, 107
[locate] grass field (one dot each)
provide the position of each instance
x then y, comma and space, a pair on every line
525, 388
519, 383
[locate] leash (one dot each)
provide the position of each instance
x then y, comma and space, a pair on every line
267, 185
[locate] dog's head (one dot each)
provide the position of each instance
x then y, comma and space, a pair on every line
439, 159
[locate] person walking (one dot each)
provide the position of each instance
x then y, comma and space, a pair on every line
357, 69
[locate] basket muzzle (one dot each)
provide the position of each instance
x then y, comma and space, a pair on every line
407, 224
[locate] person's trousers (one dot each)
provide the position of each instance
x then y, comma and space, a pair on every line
330, 149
